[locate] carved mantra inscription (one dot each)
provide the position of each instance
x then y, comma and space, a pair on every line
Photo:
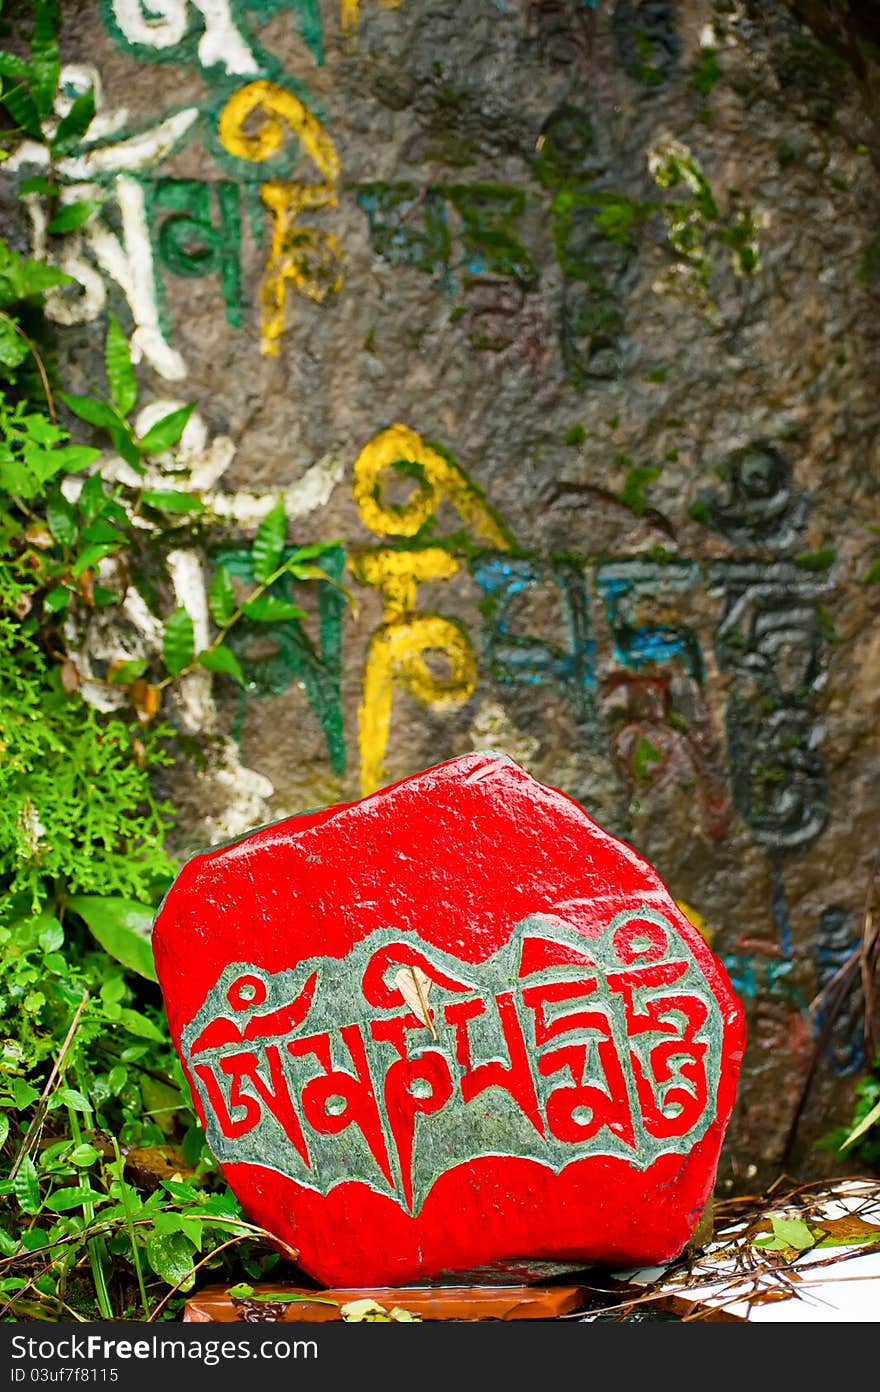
557, 1047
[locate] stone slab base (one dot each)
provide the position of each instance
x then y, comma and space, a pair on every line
213, 1304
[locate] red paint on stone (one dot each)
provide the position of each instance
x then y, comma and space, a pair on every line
568, 1099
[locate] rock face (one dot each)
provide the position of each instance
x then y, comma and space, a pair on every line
453, 1022
579, 363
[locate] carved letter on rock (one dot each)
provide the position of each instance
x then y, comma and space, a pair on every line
451, 1023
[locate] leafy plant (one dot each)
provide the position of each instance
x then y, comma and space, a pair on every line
861, 1138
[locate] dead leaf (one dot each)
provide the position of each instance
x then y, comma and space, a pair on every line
414, 985
371, 1312
146, 699
69, 676
147, 1166
848, 1227
86, 586
38, 534
360, 1311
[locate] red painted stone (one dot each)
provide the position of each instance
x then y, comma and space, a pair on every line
570, 1097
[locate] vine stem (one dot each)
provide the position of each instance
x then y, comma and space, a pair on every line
129, 1223
50, 1083
96, 1247
50, 401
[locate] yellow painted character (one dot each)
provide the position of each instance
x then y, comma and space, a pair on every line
435, 477
306, 257
397, 651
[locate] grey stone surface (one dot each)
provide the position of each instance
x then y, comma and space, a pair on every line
722, 331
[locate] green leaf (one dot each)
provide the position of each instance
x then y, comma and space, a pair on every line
23, 109
61, 518
23, 1094
13, 346
12, 66
192, 1228
139, 1024
128, 671
21, 278
873, 573
4, 1132
170, 1255
26, 1187
123, 439
270, 609
120, 373
73, 458
222, 660
56, 600
122, 927
184, 1193
73, 215
38, 184
88, 409
178, 641
51, 936
116, 1079
167, 431
268, 546
307, 571
242, 1291
92, 499
101, 530
72, 1098
170, 500
221, 597
167, 1223
795, 1232
63, 1200
45, 59
73, 126
91, 556
83, 1155
313, 549
872, 1119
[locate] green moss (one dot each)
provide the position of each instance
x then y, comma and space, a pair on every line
826, 623
872, 575
637, 480
575, 434
617, 216
707, 72
698, 511
816, 560
869, 271
644, 69
644, 755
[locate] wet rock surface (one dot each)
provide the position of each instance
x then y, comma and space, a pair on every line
614, 268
